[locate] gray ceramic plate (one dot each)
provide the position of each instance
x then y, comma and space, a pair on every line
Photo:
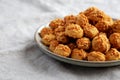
45, 50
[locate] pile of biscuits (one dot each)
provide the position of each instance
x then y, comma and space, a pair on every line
91, 35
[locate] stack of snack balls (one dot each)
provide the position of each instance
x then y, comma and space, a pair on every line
91, 35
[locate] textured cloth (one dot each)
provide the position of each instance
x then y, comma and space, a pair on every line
20, 57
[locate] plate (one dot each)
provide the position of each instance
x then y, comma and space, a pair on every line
45, 50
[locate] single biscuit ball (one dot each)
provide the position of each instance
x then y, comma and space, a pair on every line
56, 22
95, 56
62, 50
101, 43
45, 30
72, 45
112, 54
103, 25
62, 38
53, 45
47, 38
78, 54
82, 20
115, 40
59, 30
94, 14
83, 43
90, 31
116, 26
70, 19
74, 31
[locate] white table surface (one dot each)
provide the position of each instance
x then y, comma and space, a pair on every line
20, 57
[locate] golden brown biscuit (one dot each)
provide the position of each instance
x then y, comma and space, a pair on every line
82, 20
62, 50
53, 45
115, 40
116, 26
74, 31
90, 31
101, 43
103, 25
94, 14
56, 22
70, 19
83, 43
62, 38
79, 54
47, 38
96, 56
113, 54
45, 30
